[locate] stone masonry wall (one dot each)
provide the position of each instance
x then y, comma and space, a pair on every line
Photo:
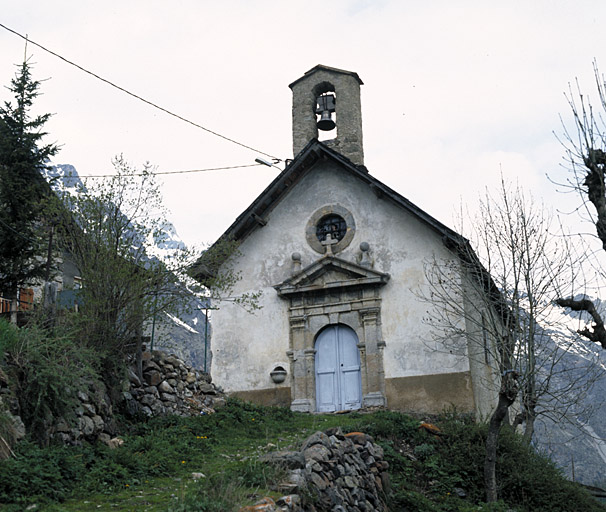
169, 386
339, 472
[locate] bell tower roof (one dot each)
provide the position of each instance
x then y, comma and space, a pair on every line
317, 95
331, 70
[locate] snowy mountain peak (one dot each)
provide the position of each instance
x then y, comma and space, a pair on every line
168, 238
64, 177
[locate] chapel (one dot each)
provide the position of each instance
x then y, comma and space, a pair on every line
340, 260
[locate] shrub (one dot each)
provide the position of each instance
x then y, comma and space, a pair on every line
427, 473
42, 474
42, 368
527, 480
391, 425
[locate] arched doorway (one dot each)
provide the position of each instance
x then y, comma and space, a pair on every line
338, 378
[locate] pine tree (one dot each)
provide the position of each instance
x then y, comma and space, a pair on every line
23, 189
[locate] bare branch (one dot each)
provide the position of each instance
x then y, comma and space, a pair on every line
597, 333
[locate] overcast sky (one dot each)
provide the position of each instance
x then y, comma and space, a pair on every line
454, 91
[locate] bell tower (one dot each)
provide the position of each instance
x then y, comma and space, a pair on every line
328, 99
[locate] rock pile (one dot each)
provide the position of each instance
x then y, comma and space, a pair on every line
170, 386
340, 472
94, 417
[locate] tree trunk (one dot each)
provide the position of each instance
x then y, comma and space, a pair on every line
492, 440
507, 396
14, 309
13, 298
139, 358
139, 347
529, 427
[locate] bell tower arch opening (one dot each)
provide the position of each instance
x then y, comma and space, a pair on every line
326, 111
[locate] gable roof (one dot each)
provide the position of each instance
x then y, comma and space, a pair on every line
255, 216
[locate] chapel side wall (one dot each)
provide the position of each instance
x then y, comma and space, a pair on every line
246, 347
482, 325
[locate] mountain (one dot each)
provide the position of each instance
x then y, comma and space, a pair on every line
188, 335
577, 443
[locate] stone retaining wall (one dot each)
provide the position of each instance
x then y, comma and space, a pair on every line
169, 386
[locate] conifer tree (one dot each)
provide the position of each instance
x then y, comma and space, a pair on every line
22, 187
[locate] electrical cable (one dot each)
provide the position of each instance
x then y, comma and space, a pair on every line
27, 39
19, 234
167, 172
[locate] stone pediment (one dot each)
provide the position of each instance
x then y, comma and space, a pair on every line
330, 272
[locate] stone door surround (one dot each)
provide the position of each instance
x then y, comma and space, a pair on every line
333, 291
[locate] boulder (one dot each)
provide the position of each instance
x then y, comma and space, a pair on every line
82, 396
165, 387
98, 423
153, 377
133, 377
207, 389
172, 387
286, 459
86, 426
89, 409
17, 426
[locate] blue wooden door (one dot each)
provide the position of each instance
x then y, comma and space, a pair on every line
338, 379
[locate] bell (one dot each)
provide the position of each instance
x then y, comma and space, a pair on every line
326, 123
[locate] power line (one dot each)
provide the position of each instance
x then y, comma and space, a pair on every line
28, 40
167, 172
18, 233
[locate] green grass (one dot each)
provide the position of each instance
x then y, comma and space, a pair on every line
152, 471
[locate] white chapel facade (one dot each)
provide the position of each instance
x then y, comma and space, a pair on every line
339, 258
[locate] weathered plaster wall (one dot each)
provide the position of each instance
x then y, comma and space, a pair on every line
482, 347
271, 397
431, 393
247, 347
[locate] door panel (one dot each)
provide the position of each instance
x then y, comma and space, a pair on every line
338, 379
350, 390
326, 371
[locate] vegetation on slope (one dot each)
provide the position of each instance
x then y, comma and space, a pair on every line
153, 469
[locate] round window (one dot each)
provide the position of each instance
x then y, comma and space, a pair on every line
333, 220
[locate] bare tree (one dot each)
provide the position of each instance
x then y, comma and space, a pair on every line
500, 299
585, 147
112, 231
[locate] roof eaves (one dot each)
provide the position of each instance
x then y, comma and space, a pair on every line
255, 214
